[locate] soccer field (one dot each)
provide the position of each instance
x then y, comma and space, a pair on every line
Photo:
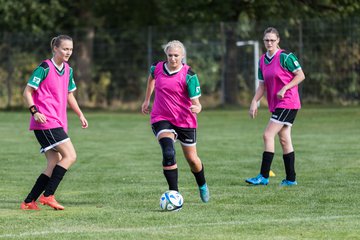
113, 190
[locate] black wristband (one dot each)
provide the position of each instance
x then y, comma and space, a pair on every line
33, 109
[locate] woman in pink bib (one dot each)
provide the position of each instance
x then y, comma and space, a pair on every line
174, 114
47, 94
279, 75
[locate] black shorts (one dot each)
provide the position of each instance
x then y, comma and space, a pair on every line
284, 116
50, 138
186, 136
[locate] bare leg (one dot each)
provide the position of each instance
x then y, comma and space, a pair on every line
197, 169
53, 158
68, 154
272, 129
285, 139
192, 158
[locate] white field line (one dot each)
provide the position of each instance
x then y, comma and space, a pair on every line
166, 228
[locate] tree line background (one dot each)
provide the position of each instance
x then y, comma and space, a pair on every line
115, 42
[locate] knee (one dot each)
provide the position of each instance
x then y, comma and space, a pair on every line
168, 155
168, 151
267, 137
74, 157
283, 141
71, 157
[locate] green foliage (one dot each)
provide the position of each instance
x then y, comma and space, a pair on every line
99, 90
123, 38
337, 56
14, 74
29, 15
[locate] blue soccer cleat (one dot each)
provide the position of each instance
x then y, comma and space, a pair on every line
258, 180
285, 183
204, 193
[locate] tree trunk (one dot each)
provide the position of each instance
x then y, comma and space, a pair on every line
9, 87
7, 51
84, 49
230, 85
84, 43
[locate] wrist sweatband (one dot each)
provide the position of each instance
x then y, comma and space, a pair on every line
33, 109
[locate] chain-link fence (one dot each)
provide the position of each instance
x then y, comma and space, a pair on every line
111, 65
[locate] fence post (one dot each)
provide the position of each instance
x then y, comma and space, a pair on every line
149, 46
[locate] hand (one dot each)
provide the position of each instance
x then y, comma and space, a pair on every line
253, 109
196, 108
281, 93
39, 117
145, 107
84, 122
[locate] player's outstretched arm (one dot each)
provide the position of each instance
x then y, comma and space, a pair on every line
149, 90
75, 107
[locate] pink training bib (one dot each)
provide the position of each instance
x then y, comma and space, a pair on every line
172, 102
275, 78
51, 99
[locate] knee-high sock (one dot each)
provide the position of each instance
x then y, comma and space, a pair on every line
172, 179
266, 163
55, 179
200, 177
38, 188
289, 162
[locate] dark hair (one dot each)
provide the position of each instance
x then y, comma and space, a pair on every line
56, 41
272, 30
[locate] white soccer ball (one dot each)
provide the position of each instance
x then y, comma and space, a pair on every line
171, 201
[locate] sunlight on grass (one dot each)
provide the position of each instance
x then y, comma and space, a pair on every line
113, 190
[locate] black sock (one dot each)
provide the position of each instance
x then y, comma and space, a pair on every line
200, 177
289, 162
266, 163
56, 177
172, 179
38, 188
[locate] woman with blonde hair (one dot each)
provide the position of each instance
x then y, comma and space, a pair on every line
174, 113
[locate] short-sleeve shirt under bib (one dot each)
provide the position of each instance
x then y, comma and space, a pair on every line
50, 96
276, 73
173, 94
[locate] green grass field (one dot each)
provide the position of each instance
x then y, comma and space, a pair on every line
113, 190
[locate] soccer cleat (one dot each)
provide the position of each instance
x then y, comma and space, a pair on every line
204, 193
285, 183
258, 180
50, 201
29, 206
